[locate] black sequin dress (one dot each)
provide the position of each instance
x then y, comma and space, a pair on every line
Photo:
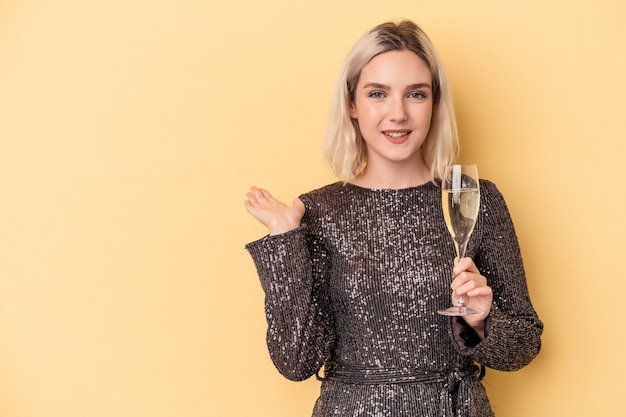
355, 290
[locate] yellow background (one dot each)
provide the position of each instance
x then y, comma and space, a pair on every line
131, 130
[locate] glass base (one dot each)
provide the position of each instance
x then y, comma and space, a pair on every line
459, 311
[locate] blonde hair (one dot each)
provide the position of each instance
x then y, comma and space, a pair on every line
345, 150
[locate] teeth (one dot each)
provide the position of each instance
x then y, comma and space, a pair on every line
396, 135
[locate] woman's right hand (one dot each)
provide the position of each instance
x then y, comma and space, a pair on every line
276, 215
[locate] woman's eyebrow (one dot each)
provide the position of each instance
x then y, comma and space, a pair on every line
377, 85
386, 87
418, 86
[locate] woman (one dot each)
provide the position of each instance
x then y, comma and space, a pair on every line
354, 272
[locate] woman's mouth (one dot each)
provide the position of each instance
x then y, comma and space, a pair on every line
397, 136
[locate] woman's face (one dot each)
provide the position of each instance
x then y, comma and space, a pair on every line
393, 103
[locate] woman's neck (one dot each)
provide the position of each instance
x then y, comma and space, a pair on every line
393, 177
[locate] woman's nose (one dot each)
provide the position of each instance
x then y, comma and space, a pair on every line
397, 112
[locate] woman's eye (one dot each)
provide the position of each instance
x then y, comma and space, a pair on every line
376, 94
417, 95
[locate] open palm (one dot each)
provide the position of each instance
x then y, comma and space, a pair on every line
276, 215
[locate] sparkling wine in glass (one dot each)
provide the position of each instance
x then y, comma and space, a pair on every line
460, 198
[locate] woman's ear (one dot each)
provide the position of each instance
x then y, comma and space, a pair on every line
352, 111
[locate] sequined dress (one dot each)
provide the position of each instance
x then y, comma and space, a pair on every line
355, 290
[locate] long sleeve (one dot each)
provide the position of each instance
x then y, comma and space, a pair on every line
292, 268
513, 332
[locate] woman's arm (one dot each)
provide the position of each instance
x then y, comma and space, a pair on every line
512, 333
292, 266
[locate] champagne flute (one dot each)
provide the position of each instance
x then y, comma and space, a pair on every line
460, 198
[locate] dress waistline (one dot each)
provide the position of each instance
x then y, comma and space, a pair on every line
454, 394
349, 374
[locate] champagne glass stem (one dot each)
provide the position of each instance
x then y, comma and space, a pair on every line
460, 251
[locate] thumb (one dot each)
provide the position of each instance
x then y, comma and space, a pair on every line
298, 203
299, 206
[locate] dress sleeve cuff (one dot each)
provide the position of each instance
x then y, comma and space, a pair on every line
464, 336
262, 243
280, 257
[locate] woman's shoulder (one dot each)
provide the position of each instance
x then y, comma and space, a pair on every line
490, 196
487, 186
325, 194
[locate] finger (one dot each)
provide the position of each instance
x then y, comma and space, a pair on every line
266, 194
467, 287
462, 288
262, 195
469, 280
480, 291
250, 207
465, 264
252, 198
258, 193
483, 293
460, 279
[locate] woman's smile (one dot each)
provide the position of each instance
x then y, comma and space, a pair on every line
397, 136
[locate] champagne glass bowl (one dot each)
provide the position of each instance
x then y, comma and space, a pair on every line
460, 199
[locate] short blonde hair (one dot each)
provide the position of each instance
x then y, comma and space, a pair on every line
345, 150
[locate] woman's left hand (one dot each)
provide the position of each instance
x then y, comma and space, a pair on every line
472, 286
